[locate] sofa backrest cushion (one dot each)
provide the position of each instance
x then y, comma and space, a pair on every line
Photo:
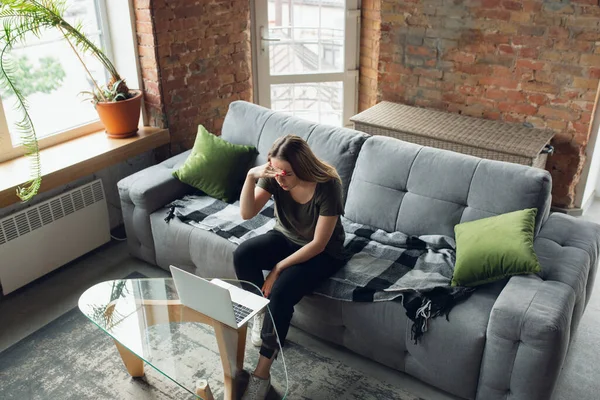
417, 190
244, 123
249, 124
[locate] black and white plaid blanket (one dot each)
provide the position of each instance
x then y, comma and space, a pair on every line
384, 266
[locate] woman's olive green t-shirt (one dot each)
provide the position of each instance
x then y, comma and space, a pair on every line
298, 221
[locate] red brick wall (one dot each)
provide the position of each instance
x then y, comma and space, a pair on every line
518, 61
370, 35
147, 48
195, 59
531, 61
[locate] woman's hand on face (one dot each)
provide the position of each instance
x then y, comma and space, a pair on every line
265, 171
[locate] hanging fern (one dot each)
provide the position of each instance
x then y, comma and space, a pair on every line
25, 125
20, 18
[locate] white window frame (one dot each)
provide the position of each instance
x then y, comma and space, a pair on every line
349, 76
123, 52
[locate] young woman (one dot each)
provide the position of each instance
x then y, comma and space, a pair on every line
305, 247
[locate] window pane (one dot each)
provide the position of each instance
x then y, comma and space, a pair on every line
318, 102
310, 33
51, 77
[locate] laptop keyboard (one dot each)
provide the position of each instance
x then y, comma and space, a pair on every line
240, 312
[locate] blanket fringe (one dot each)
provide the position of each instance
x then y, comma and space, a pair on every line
422, 306
423, 314
170, 214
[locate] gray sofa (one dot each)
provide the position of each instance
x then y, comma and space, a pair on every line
508, 340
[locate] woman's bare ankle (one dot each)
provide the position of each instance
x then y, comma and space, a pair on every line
261, 374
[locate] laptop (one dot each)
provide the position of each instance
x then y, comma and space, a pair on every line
217, 299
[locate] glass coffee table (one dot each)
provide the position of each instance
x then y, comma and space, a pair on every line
149, 324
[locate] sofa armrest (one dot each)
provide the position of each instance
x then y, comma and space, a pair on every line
568, 250
527, 339
143, 193
535, 316
155, 186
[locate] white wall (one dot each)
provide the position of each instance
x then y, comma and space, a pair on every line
593, 178
120, 18
589, 182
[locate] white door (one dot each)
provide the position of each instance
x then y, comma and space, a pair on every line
307, 58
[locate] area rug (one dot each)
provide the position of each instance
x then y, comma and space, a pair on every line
70, 358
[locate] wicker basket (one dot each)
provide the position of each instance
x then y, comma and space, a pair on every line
478, 137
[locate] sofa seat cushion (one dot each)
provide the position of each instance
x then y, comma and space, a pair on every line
381, 331
321, 317
198, 251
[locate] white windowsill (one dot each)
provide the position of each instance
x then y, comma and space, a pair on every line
77, 158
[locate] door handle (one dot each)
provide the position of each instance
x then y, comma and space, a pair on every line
264, 39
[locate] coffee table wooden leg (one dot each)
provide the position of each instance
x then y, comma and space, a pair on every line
241, 350
134, 364
203, 390
228, 341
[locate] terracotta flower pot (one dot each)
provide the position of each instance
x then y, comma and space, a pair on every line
121, 118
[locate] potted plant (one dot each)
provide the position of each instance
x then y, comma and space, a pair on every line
118, 106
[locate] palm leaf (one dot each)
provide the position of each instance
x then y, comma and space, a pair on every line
20, 18
16, 25
24, 126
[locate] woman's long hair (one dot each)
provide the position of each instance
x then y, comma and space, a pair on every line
306, 165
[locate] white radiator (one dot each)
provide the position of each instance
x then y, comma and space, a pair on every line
41, 238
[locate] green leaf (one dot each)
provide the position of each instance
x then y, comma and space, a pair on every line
19, 19
116, 85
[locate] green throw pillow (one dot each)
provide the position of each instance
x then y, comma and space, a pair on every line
216, 166
494, 248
